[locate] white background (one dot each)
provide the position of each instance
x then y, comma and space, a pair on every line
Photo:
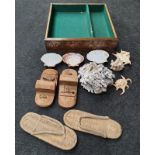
7, 77
147, 77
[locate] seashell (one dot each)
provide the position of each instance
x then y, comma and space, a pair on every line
124, 57
117, 65
51, 59
73, 59
95, 78
98, 56
122, 84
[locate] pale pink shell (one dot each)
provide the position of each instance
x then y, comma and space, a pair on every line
73, 59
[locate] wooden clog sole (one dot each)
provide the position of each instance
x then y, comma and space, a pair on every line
45, 88
68, 83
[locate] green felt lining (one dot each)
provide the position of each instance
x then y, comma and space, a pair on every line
79, 21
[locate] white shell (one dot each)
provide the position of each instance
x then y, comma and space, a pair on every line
124, 56
122, 84
98, 56
117, 65
73, 59
51, 59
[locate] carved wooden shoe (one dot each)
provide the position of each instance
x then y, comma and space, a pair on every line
93, 124
49, 130
68, 83
45, 88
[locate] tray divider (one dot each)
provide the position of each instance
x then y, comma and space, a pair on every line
89, 21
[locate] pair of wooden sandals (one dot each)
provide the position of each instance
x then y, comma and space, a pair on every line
61, 136
46, 88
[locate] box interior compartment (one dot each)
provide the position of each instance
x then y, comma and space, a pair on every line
79, 21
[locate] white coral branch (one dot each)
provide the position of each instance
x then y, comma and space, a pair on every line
95, 78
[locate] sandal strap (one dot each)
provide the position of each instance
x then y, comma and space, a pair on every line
45, 86
50, 77
58, 130
68, 80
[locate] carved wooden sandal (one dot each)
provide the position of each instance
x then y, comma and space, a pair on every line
68, 88
45, 88
97, 125
49, 130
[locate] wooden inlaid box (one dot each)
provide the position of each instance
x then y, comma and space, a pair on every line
79, 27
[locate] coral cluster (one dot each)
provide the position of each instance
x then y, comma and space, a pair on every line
95, 78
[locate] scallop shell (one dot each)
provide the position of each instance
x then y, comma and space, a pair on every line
73, 59
98, 56
51, 59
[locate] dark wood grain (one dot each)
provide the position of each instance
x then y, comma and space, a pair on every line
82, 44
